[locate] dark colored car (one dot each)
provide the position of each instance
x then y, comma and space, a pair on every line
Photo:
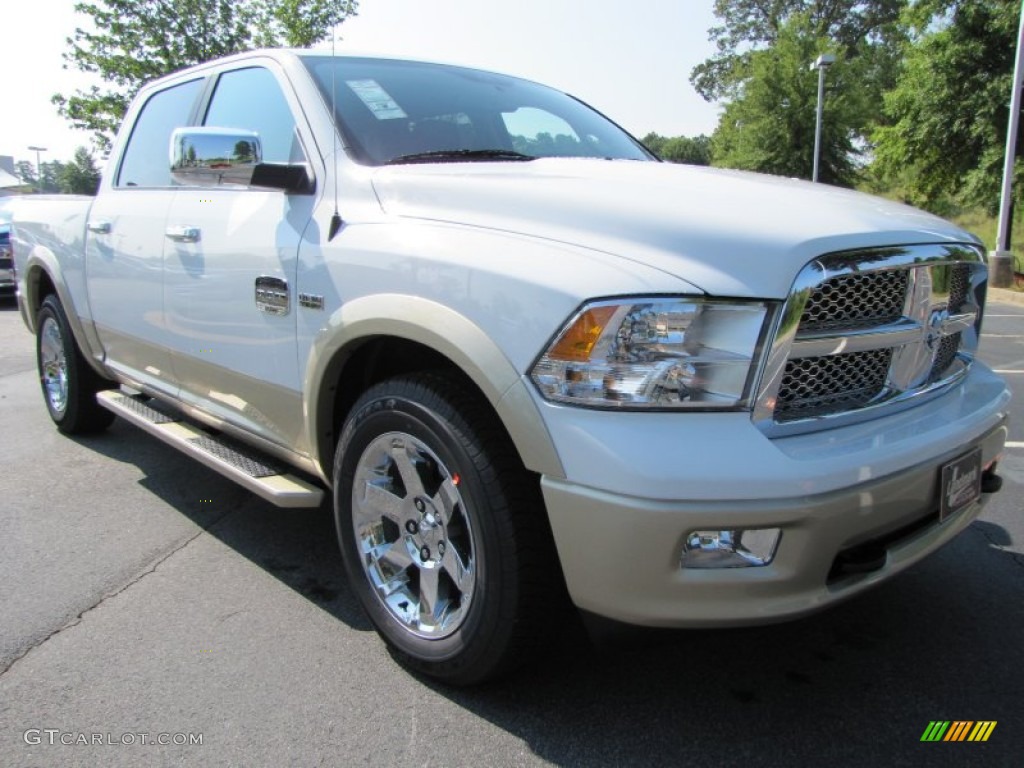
7, 282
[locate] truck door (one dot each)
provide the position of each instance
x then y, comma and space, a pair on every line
234, 355
125, 242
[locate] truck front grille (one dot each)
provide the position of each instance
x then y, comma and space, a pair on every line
856, 300
814, 386
864, 333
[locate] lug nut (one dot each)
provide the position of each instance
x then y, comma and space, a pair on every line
440, 548
420, 506
425, 554
412, 527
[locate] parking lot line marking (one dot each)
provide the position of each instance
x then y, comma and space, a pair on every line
1006, 370
1015, 444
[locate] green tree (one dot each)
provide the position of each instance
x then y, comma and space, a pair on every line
243, 151
761, 74
695, 150
133, 41
50, 174
26, 171
945, 141
769, 125
298, 23
654, 142
752, 25
80, 176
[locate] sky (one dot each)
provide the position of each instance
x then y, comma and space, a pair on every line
630, 61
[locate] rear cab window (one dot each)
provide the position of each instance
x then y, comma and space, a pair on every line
145, 161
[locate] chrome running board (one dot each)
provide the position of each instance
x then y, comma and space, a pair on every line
262, 475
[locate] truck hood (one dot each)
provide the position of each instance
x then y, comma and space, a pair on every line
729, 233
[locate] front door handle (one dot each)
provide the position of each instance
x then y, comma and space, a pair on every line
99, 227
183, 234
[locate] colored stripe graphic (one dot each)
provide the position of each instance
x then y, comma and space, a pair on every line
982, 730
958, 730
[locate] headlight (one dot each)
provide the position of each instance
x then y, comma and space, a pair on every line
656, 353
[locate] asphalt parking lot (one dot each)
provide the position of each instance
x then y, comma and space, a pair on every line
142, 595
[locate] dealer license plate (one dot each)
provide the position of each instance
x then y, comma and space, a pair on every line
961, 483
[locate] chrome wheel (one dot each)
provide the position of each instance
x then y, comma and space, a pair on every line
414, 536
53, 365
69, 384
442, 529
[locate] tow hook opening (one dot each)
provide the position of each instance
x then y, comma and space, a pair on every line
869, 556
861, 559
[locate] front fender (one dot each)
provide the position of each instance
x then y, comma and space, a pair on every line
448, 333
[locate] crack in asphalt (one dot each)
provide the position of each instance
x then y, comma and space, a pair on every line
110, 595
1017, 557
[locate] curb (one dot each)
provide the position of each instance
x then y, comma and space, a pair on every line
1005, 295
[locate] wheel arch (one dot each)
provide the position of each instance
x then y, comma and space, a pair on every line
37, 284
42, 277
377, 337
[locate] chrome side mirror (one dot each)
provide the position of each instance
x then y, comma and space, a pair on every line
205, 157
212, 157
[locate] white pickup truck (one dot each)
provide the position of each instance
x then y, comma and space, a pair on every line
526, 358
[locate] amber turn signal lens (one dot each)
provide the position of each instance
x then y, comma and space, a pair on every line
576, 343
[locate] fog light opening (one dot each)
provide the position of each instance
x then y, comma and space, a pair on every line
738, 548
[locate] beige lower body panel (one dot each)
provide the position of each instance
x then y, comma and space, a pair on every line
621, 555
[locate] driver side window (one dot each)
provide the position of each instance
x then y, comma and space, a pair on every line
251, 98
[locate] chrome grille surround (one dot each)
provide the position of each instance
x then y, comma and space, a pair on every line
866, 333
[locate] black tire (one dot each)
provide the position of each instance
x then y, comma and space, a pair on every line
474, 542
69, 383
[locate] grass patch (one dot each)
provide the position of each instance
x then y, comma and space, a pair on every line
985, 226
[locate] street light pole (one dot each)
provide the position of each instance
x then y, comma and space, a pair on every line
821, 64
1001, 259
39, 167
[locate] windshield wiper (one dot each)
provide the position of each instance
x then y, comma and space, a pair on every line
460, 155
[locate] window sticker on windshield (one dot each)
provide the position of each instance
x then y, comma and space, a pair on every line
376, 99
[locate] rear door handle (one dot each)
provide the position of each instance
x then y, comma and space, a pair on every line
99, 227
183, 234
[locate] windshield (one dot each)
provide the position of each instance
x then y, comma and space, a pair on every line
392, 111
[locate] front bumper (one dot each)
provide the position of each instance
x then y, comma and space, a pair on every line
621, 552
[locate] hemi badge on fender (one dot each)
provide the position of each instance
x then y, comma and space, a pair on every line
311, 301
